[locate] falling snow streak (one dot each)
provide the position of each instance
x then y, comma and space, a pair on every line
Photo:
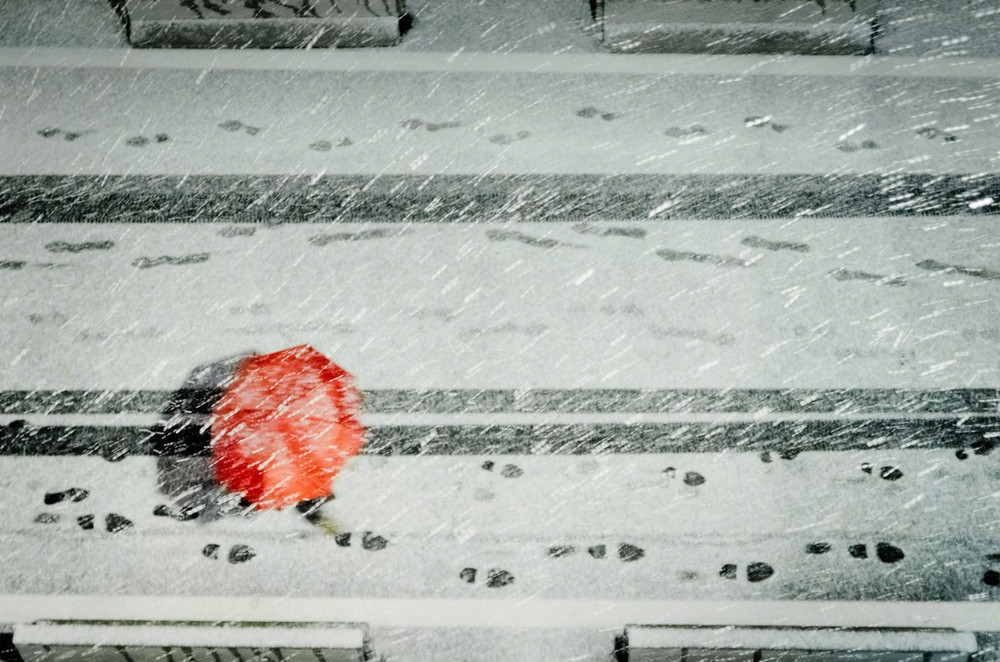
459, 198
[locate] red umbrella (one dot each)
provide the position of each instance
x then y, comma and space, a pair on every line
285, 427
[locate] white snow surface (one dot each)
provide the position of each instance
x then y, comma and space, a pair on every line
429, 306
439, 515
492, 122
444, 306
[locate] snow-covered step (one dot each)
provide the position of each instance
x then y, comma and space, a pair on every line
871, 495
857, 526
804, 27
262, 23
807, 303
920, 567
510, 119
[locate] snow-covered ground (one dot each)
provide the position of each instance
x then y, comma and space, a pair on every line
608, 301
203, 120
527, 292
812, 303
608, 527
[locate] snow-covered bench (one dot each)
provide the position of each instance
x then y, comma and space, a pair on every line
805, 27
741, 644
261, 23
137, 641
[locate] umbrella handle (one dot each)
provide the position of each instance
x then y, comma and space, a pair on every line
311, 511
328, 525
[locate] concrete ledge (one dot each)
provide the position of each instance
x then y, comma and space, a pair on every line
264, 24
745, 66
195, 642
727, 27
494, 612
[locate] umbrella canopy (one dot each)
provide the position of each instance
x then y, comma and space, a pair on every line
285, 426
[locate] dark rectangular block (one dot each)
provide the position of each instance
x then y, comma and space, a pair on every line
805, 27
264, 23
788, 644
479, 198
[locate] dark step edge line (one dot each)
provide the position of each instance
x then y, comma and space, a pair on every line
783, 438
956, 402
466, 198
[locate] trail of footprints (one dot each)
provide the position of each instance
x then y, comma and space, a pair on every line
934, 133
889, 473
507, 471
143, 141
755, 571
326, 145
992, 577
113, 522
691, 478
79, 247
766, 122
75, 248
497, 578
116, 523
416, 123
885, 552
505, 235
237, 553
981, 447
686, 134
68, 136
627, 552
494, 577
232, 126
